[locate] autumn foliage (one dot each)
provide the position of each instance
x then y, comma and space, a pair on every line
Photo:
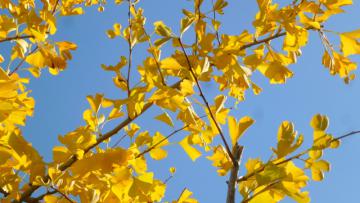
84, 170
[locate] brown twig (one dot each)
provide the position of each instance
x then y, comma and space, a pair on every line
207, 104
130, 50
214, 17
63, 194
22, 61
118, 142
346, 135
16, 37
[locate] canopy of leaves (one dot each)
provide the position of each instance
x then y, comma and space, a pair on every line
86, 167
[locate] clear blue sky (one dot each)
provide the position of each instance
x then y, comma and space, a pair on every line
60, 100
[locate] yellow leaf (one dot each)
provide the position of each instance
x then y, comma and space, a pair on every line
319, 122
276, 72
170, 63
185, 24
131, 131
221, 160
191, 151
36, 59
237, 129
172, 170
103, 162
158, 154
162, 30
164, 117
186, 87
157, 142
287, 141
185, 197
349, 43
35, 71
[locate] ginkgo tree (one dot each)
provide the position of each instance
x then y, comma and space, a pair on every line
89, 165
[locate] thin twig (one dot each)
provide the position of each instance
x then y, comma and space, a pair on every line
63, 194
207, 104
214, 17
181, 194
346, 135
261, 191
168, 179
22, 61
40, 197
155, 58
16, 37
130, 49
118, 142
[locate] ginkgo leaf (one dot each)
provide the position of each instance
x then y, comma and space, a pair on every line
172, 170
158, 153
219, 5
319, 122
162, 30
170, 63
191, 151
185, 24
349, 42
221, 160
276, 72
157, 142
185, 197
318, 168
132, 129
237, 129
164, 117
288, 141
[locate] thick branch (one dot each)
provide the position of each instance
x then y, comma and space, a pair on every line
237, 152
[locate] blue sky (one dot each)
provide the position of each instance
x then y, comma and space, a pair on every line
60, 100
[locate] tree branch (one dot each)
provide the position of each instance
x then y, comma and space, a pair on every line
22, 61
16, 37
237, 152
63, 194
